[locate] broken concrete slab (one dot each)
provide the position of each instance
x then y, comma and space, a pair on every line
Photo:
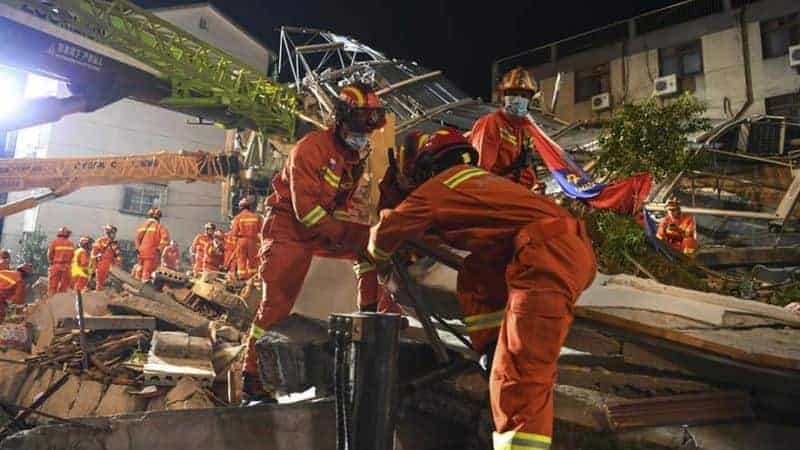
187, 394
117, 401
12, 376
176, 315
174, 355
60, 403
42, 379
87, 400
299, 426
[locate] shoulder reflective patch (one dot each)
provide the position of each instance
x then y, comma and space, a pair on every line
463, 176
7, 279
314, 216
507, 135
330, 177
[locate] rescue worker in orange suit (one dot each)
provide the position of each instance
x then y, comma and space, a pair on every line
215, 256
246, 227
12, 287
547, 260
504, 138
171, 256
106, 252
151, 239
319, 178
5, 259
82, 264
59, 255
230, 256
199, 246
678, 229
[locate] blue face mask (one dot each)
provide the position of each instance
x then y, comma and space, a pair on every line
515, 105
358, 142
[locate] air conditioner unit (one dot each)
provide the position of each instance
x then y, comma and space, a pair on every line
794, 56
665, 85
601, 102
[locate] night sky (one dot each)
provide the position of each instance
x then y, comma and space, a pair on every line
462, 41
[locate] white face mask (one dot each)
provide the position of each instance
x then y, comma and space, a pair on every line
515, 105
358, 142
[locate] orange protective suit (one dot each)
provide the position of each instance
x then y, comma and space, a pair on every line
199, 246
81, 270
246, 227
105, 253
548, 262
500, 139
678, 232
151, 239
59, 255
12, 289
318, 179
230, 255
214, 257
171, 257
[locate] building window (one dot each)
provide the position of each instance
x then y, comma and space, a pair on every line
138, 199
128, 253
777, 35
591, 82
787, 105
685, 61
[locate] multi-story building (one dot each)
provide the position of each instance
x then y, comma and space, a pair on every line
128, 127
736, 55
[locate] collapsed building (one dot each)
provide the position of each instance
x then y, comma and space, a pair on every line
658, 366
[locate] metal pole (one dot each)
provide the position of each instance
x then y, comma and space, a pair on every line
81, 321
366, 391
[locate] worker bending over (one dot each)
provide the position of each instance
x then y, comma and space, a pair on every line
151, 239
504, 138
82, 264
246, 228
678, 229
171, 256
12, 287
199, 246
106, 252
319, 178
544, 253
59, 255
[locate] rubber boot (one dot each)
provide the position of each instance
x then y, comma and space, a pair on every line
253, 392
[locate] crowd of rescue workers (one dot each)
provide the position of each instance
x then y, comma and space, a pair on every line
529, 258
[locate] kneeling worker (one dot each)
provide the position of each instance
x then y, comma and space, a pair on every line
548, 261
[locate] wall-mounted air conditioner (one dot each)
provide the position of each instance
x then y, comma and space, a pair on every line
665, 85
794, 56
601, 102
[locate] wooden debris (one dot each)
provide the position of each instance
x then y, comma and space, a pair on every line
691, 409
116, 323
173, 314
748, 256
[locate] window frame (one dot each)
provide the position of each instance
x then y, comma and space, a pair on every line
600, 74
142, 190
789, 23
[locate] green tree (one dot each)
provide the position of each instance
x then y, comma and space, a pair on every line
651, 137
34, 251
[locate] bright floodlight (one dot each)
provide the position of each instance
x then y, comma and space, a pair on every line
10, 96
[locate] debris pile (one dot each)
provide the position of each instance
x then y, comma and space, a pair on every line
169, 345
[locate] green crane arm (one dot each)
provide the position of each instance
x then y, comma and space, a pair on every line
199, 74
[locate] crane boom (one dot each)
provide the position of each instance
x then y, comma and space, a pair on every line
200, 77
55, 173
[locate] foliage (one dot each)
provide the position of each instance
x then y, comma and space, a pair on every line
651, 137
621, 235
33, 250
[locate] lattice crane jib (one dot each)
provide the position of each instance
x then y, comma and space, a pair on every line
199, 74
